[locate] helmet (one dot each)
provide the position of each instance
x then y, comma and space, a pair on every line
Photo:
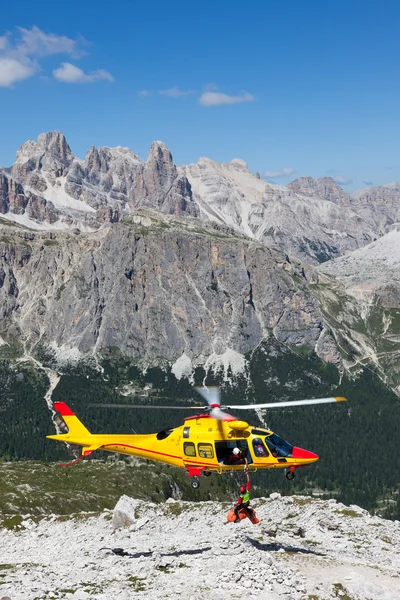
236, 451
242, 489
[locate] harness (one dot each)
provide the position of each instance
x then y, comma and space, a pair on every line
245, 496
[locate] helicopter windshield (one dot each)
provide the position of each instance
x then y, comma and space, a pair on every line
278, 446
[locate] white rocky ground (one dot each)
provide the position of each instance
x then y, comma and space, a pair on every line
302, 549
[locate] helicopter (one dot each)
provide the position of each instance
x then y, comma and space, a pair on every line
203, 444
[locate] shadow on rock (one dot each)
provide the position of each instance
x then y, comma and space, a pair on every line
277, 547
121, 552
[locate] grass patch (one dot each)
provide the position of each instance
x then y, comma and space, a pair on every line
340, 592
136, 583
313, 543
386, 539
347, 512
13, 522
175, 509
302, 501
164, 569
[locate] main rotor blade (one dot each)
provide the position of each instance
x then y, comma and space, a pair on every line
211, 394
288, 403
149, 406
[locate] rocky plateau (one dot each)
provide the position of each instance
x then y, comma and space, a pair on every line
303, 549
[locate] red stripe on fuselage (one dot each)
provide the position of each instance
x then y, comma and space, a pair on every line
163, 454
142, 450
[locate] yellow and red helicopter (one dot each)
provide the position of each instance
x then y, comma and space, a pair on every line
205, 443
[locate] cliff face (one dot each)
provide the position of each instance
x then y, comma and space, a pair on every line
158, 288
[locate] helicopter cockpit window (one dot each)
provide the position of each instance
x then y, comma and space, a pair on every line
189, 449
205, 450
278, 446
259, 448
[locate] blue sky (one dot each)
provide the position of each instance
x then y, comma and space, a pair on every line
301, 87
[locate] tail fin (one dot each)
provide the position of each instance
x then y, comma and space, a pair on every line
76, 429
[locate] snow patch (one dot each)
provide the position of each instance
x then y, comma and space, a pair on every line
59, 197
183, 367
229, 361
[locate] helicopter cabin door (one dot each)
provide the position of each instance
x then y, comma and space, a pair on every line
226, 456
196, 452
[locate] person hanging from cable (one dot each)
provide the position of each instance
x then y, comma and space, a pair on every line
244, 499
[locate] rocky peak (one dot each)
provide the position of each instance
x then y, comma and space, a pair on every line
239, 165
324, 187
381, 194
50, 155
160, 155
159, 172
51, 144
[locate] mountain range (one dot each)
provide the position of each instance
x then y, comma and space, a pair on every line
191, 265
49, 188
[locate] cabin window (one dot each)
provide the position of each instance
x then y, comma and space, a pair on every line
259, 448
205, 450
186, 432
189, 449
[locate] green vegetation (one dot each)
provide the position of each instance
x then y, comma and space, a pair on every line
357, 442
164, 569
136, 583
347, 512
39, 489
340, 592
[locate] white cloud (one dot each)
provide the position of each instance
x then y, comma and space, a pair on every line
217, 98
175, 92
69, 73
342, 180
19, 56
144, 93
283, 173
3, 42
38, 43
13, 70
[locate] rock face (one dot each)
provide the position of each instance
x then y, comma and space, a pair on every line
382, 202
314, 222
158, 287
191, 265
324, 187
303, 548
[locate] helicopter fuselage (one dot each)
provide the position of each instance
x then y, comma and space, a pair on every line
201, 444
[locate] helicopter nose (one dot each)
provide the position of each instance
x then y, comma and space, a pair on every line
301, 453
